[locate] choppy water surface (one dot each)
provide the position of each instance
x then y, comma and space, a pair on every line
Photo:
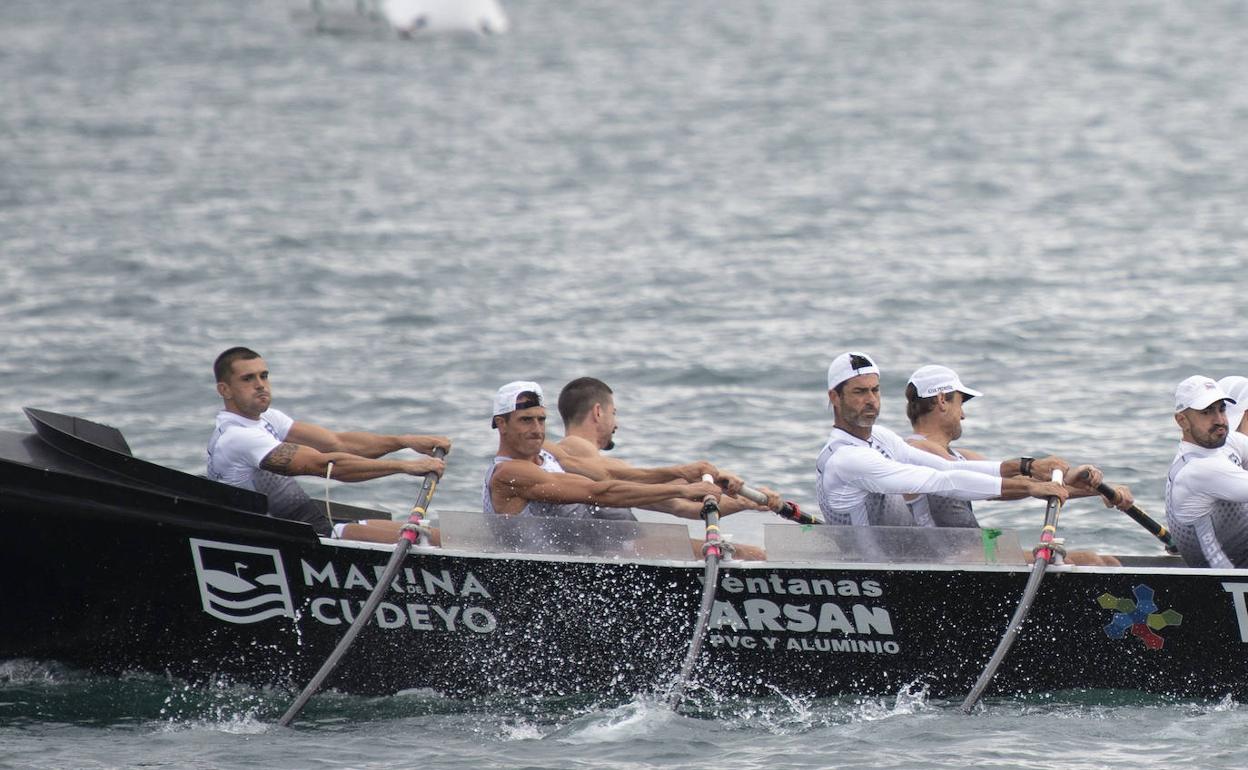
700, 203
58, 719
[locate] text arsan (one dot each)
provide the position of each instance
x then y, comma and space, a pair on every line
821, 617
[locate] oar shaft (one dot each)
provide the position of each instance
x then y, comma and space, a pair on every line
710, 581
788, 509
340, 650
406, 539
1044, 554
420, 508
1047, 534
1007, 640
1143, 519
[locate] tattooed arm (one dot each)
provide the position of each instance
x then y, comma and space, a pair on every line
363, 443
287, 459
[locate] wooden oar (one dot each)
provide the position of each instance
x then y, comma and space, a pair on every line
1142, 518
406, 540
1044, 554
710, 581
788, 509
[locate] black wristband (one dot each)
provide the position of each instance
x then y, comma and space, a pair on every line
1024, 465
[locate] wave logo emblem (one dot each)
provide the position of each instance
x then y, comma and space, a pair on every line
241, 583
1139, 616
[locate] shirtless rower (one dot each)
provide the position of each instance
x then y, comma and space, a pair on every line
863, 471
935, 397
587, 408
1207, 485
525, 479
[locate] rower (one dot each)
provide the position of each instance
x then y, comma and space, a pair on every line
525, 479
935, 397
258, 447
864, 470
1207, 485
1236, 387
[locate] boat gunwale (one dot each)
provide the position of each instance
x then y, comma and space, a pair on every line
110, 478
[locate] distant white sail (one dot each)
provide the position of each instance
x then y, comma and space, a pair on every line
413, 16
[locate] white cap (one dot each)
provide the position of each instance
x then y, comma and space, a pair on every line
1237, 388
1198, 392
507, 399
842, 369
933, 378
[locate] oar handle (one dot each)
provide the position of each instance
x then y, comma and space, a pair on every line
1044, 551
710, 515
788, 509
420, 508
1143, 519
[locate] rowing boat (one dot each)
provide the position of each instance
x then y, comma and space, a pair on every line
112, 563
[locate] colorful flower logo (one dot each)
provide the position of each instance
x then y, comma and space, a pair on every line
1140, 617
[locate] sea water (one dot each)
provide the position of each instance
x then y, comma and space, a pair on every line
700, 203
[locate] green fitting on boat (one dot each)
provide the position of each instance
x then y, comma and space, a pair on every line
990, 544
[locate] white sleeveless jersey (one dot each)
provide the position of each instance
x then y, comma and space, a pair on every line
940, 510
533, 507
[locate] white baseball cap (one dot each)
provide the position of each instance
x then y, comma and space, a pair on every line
842, 368
1198, 392
933, 378
1237, 388
508, 398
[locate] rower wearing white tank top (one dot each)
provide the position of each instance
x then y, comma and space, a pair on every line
525, 479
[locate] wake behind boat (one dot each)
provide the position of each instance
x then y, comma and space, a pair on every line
112, 563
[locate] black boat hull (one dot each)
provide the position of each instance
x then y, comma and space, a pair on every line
113, 572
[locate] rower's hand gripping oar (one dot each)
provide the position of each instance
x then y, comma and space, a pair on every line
1044, 555
1142, 518
787, 510
710, 580
408, 537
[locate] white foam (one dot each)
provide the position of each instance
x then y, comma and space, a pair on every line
910, 699
639, 718
521, 731
21, 671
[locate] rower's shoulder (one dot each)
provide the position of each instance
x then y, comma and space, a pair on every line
929, 446
575, 446
1238, 442
517, 471
580, 457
